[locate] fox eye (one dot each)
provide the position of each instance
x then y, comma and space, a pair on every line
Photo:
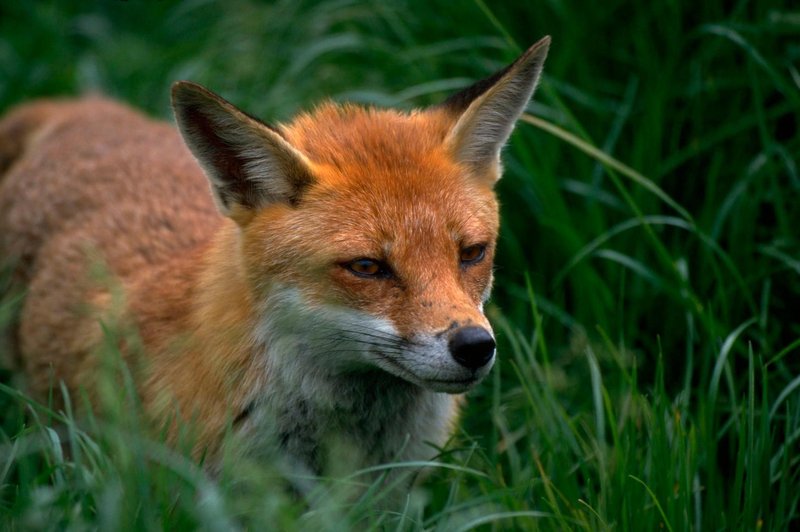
368, 268
472, 254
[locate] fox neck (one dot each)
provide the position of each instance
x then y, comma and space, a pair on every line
329, 410
374, 419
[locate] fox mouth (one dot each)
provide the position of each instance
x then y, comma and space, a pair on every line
453, 385
464, 382
357, 341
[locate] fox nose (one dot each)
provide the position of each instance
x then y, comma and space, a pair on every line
472, 347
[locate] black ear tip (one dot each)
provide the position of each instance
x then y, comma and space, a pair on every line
183, 91
538, 49
535, 55
181, 86
180, 90
544, 42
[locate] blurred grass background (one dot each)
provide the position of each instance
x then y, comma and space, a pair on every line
648, 277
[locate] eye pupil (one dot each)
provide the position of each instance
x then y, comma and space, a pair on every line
472, 254
367, 268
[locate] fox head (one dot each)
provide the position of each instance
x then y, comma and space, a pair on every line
368, 235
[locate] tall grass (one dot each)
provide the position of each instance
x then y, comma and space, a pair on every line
648, 276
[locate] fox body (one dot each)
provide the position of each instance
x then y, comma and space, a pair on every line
331, 285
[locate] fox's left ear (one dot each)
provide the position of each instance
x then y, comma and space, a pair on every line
485, 113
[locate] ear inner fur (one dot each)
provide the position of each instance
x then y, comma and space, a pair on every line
489, 109
248, 163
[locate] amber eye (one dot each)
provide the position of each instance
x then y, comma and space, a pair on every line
368, 268
472, 254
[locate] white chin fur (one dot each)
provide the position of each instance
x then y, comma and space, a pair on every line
305, 338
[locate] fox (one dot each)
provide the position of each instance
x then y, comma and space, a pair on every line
312, 281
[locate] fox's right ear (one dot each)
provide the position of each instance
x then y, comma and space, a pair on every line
248, 163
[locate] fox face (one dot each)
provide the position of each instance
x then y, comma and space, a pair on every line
367, 236
402, 241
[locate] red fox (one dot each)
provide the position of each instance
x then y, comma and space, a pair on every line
331, 285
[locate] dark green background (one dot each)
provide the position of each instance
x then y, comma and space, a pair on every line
618, 313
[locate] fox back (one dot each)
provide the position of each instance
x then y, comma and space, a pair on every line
328, 291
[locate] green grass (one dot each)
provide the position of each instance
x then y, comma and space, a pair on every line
648, 276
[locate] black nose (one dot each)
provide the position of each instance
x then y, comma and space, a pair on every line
472, 347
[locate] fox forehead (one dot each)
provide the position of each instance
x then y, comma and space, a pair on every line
358, 140
392, 166
386, 178
403, 223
